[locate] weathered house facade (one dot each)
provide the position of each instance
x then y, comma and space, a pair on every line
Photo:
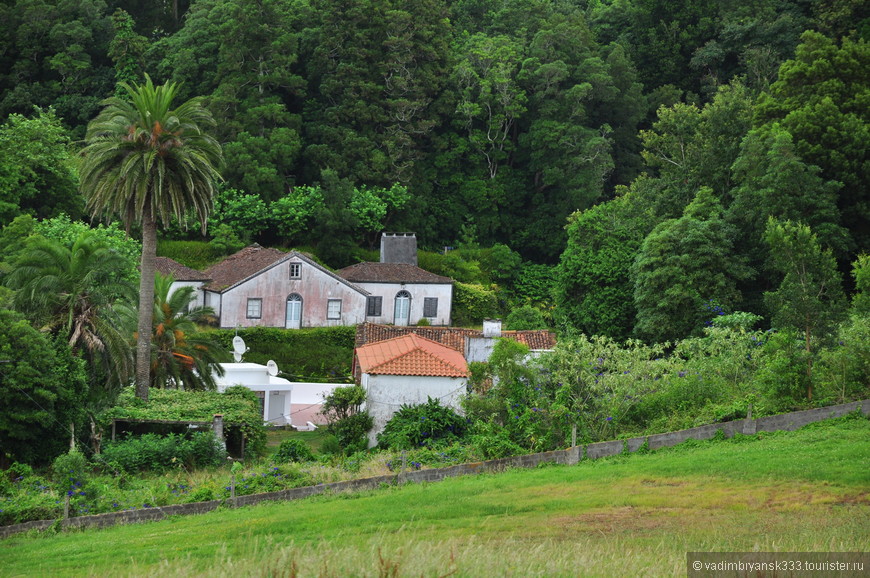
258, 286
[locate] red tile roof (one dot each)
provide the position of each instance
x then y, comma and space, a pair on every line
390, 273
453, 337
167, 266
411, 355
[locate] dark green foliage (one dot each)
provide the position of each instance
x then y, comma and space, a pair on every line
351, 432
820, 98
156, 453
43, 389
525, 318
681, 265
347, 422
293, 450
36, 172
428, 424
593, 289
315, 354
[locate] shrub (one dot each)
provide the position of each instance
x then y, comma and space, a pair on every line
352, 431
293, 450
158, 453
426, 424
493, 441
194, 254
472, 304
525, 318
315, 354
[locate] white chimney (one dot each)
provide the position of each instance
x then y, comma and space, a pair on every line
492, 328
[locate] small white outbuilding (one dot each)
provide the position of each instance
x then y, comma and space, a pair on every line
274, 392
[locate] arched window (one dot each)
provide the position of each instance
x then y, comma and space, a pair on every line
402, 310
294, 311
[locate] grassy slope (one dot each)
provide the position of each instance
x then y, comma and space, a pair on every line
802, 491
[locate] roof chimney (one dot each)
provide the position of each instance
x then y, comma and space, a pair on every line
492, 327
399, 248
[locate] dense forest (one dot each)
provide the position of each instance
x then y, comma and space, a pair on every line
639, 145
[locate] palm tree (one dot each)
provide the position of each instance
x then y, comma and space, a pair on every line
182, 356
75, 293
146, 162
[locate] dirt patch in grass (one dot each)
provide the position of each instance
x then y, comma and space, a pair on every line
622, 520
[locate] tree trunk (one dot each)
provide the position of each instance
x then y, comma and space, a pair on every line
146, 305
807, 337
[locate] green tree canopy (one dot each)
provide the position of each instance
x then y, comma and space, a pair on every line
37, 176
42, 387
683, 264
810, 297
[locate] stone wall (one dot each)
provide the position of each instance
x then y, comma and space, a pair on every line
570, 456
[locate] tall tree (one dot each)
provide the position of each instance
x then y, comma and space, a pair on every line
36, 170
594, 292
69, 291
683, 264
810, 297
821, 98
147, 162
72, 290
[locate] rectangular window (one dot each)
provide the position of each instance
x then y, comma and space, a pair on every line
333, 309
295, 270
255, 308
430, 307
375, 306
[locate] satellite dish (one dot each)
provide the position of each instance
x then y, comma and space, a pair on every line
239, 345
237, 357
272, 368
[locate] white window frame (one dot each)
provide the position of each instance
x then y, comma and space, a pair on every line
296, 270
254, 308
333, 309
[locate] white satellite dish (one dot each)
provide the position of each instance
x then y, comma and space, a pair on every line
272, 368
239, 348
239, 345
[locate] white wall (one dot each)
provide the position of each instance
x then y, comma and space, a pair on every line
443, 292
197, 286
385, 395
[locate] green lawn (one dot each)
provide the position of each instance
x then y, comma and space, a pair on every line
314, 439
630, 515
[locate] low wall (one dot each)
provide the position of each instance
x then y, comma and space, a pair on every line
570, 456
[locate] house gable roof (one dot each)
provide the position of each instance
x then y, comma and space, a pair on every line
179, 272
390, 273
254, 260
411, 355
453, 337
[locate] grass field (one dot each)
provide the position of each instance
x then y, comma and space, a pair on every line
625, 516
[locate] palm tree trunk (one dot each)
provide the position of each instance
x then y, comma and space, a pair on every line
146, 305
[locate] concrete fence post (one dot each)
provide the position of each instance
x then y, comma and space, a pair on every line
749, 424
217, 426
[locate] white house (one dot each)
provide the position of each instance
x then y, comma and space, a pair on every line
259, 286
408, 370
183, 277
400, 292
274, 392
